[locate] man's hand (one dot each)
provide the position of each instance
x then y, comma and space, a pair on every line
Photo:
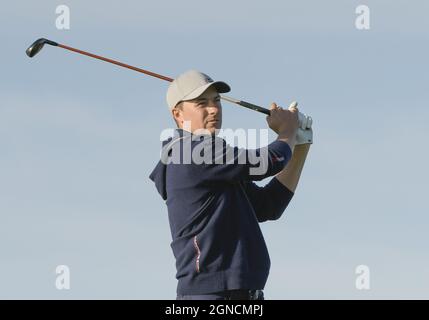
284, 123
305, 133
304, 136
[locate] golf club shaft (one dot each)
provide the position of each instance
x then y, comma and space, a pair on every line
153, 74
159, 76
246, 104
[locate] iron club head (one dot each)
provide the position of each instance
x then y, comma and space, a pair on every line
37, 45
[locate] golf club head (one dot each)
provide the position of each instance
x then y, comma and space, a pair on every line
37, 45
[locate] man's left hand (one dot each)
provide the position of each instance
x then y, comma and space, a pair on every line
305, 133
304, 136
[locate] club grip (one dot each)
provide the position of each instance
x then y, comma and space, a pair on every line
254, 107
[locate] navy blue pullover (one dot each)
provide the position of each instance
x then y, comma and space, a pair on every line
214, 210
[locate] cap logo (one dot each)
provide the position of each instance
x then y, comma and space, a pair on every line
208, 79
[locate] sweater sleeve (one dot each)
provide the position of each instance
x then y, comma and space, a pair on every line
269, 202
247, 165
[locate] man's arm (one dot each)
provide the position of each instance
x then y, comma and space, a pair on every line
270, 201
290, 175
285, 124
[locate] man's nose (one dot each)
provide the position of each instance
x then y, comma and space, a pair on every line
214, 106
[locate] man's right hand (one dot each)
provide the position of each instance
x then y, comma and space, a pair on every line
284, 122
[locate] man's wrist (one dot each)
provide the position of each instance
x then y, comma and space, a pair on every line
302, 148
290, 141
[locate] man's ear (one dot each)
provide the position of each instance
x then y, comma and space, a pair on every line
177, 115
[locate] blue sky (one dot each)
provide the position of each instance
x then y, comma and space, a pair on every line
79, 138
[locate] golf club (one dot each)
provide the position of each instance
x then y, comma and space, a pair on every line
37, 45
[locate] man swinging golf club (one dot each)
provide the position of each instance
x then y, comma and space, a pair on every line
214, 207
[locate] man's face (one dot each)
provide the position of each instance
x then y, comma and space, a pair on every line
204, 112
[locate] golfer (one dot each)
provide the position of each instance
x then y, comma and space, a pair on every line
214, 207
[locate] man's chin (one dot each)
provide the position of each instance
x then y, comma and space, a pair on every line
214, 128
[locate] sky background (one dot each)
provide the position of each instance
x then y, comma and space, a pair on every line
79, 138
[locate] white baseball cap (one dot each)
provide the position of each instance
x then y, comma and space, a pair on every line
191, 85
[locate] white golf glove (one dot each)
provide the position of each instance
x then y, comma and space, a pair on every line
305, 133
